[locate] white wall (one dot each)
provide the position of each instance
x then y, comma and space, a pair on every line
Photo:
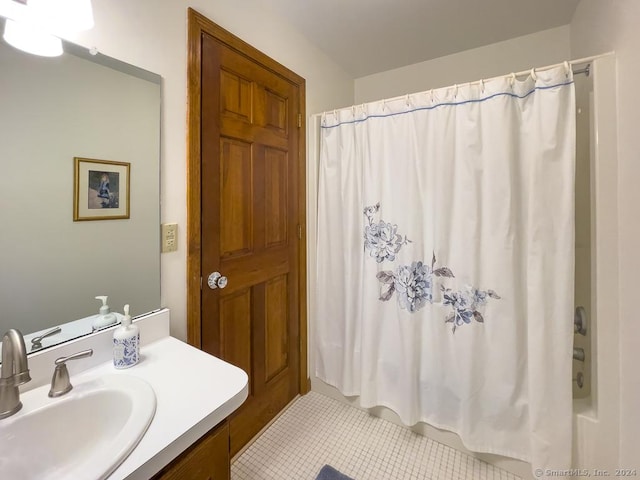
600, 26
152, 34
534, 50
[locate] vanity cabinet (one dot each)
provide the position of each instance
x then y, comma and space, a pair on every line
207, 459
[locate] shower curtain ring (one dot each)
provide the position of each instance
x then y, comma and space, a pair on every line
512, 80
567, 69
534, 75
406, 99
481, 85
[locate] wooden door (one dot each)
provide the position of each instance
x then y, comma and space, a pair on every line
251, 226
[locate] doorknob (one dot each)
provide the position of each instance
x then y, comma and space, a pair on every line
216, 280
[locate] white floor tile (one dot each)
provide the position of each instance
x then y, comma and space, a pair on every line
318, 430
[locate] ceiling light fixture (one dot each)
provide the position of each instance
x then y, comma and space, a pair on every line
35, 25
31, 39
62, 17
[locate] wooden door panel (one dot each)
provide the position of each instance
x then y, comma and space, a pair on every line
236, 185
275, 194
276, 329
235, 329
274, 115
235, 96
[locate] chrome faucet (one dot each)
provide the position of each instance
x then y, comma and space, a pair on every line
15, 371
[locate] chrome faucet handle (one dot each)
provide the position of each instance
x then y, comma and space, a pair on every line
60, 382
36, 343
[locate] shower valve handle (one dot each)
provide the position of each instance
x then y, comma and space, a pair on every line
580, 321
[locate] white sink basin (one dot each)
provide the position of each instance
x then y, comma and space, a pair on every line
84, 434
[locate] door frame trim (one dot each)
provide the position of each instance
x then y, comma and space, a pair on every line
197, 25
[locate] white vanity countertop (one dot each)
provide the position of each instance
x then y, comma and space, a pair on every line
195, 391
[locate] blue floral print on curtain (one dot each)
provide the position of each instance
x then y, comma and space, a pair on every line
465, 304
382, 239
414, 283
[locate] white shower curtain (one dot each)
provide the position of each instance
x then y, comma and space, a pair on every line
446, 261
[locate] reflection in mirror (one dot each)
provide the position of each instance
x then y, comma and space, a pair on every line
53, 110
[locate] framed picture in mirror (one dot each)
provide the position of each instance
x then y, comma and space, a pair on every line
101, 189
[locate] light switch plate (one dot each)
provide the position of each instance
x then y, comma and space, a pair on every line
169, 237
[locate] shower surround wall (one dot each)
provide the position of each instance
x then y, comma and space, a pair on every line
534, 50
583, 271
601, 26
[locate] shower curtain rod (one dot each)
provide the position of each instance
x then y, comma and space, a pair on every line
579, 61
586, 70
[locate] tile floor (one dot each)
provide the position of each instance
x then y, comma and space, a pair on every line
318, 430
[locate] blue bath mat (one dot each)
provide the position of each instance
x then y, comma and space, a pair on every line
329, 473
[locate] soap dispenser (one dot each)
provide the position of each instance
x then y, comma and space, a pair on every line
126, 343
105, 317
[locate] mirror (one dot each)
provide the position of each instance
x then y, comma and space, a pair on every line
53, 110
